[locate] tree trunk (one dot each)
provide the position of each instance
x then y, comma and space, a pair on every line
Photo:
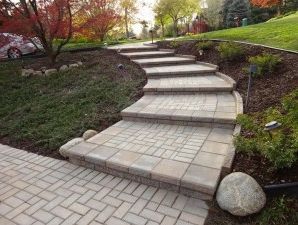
175, 28
126, 23
163, 30
279, 9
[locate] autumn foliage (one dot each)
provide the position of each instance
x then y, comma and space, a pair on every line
55, 21
98, 18
266, 3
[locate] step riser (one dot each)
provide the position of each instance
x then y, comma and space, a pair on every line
183, 122
128, 50
151, 56
147, 181
179, 91
169, 75
148, 65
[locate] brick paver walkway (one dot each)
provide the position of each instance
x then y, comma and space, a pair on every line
41, 190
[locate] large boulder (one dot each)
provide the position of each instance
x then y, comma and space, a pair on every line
89, 134
240, 194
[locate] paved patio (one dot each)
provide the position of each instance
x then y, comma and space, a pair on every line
36, 190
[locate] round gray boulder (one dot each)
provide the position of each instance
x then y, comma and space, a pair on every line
89, 134
240, 194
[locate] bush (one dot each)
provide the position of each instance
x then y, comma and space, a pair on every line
266, 63
175, 44
282, 149
229, 51
204, 45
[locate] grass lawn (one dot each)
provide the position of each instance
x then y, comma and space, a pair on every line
42, 113
280, 33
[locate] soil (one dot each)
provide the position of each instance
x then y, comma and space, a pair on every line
266, 91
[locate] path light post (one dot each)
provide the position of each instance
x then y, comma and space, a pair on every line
252, 71
269, 127
151, 33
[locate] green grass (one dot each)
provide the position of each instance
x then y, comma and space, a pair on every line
48, 111
280, 33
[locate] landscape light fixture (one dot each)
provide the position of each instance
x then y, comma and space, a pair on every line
151, 33
252, 70
273, 125
201, 52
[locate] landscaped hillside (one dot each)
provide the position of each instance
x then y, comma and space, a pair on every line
280, 33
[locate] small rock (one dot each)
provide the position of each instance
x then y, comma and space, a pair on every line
63, 68
50, 72
80, 63
74, 65
64, 148
120, 66
38, 73
89, 134
240, 194
27, 72
43, 69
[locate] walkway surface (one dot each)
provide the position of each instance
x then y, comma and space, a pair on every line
36, 190
178, 136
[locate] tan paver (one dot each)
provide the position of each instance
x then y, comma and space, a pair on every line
163, 60
108, 206
208, 83
183, 107
139, 55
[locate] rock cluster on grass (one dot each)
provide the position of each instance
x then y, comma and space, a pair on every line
47, 72
240, 194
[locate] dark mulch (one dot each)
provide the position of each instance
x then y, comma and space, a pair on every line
266, 91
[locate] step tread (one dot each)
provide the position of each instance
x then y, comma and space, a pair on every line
198, 107
179, 69
148, 61
155, 151
190, 83
129, 54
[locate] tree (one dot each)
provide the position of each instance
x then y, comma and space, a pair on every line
129, 7
46, 19
238, 10
98, 18
178, 9
212, 13
161, 18
268, 4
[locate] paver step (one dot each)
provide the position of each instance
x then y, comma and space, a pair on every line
164, 61
179, 70
209, 83
134, 48
148, 54
185, 159
195, 108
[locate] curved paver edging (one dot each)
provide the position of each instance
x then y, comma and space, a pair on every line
179, 128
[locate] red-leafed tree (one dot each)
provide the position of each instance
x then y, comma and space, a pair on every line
48, 20
98, 18
267, 3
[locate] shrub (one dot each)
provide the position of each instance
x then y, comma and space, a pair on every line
229, 51
266, 63
175, 44
204, 45
282, 149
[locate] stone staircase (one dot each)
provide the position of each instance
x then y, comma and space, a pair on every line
178, 136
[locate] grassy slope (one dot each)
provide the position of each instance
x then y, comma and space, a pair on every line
45, 112
281, 33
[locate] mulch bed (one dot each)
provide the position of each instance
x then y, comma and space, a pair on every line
266, 91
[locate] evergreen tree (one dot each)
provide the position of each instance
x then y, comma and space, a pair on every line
225, 9
239, 9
